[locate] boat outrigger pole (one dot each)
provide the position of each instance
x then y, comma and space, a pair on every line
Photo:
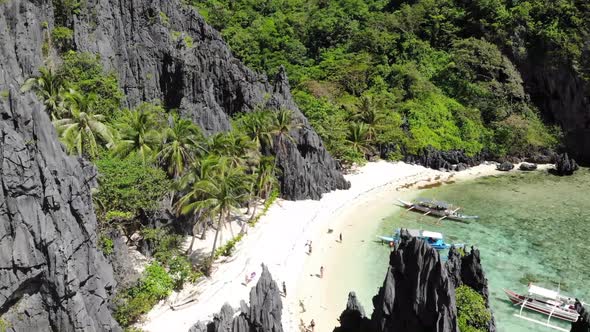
546, 324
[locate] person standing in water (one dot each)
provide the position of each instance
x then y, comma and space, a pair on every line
322, 272
340, 237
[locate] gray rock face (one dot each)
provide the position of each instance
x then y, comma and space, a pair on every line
120, 259
52, 276
418, 293
407, 302
562, 95
263, 315
184, 62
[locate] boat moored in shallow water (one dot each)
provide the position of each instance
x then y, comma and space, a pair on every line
440, 209
547, 302
434, 239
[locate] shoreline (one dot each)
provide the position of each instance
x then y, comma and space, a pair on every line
279, 239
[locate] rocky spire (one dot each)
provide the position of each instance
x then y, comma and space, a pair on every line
353, 318
418, 293
263, 315
467, 270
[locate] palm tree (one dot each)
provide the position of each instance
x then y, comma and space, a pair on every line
138, 134
83, 130
219, 193
181, 142
282, 125
358, 138
50, 87
199, 170
257, 126
367, 113
264, 181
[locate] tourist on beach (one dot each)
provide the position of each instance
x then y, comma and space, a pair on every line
321, 272
310, 247
284, 289
340, 237
312, 325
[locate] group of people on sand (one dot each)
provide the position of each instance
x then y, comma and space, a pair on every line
306, 328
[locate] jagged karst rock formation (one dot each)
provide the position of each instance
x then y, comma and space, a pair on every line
467, 270
263, 314
408, 303
505, 166
418, 293
52, 276
564, 165
444, 160
353, 317
183, 61
583, 323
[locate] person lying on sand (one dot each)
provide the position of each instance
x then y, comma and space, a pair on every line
249, 278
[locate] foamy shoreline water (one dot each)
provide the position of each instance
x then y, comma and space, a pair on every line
278, 241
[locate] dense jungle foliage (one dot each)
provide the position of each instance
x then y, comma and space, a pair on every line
150, 159
388, 78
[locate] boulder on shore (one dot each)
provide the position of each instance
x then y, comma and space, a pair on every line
527, 167
454, 160
505, 166
564, 165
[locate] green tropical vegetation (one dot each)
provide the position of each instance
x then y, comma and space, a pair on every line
473, 316
389, 78
375, 78
148, 159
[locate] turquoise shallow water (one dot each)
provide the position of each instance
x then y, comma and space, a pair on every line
532, 227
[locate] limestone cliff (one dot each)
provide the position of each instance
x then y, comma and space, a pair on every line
165, 50
52, 276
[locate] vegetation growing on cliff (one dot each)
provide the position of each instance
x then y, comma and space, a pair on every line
438, 72
149, 159
473, 316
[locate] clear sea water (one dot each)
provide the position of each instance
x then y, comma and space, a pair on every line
532, 227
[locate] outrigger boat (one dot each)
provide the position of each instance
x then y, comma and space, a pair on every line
440, 209
434, 239
547, 302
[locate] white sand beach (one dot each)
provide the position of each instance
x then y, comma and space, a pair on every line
279, 239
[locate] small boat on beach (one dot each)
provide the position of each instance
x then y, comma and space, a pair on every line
547, 302
440, 209
434, 239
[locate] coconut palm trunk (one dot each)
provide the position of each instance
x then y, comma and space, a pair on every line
190, 247
254, 212
219, 225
